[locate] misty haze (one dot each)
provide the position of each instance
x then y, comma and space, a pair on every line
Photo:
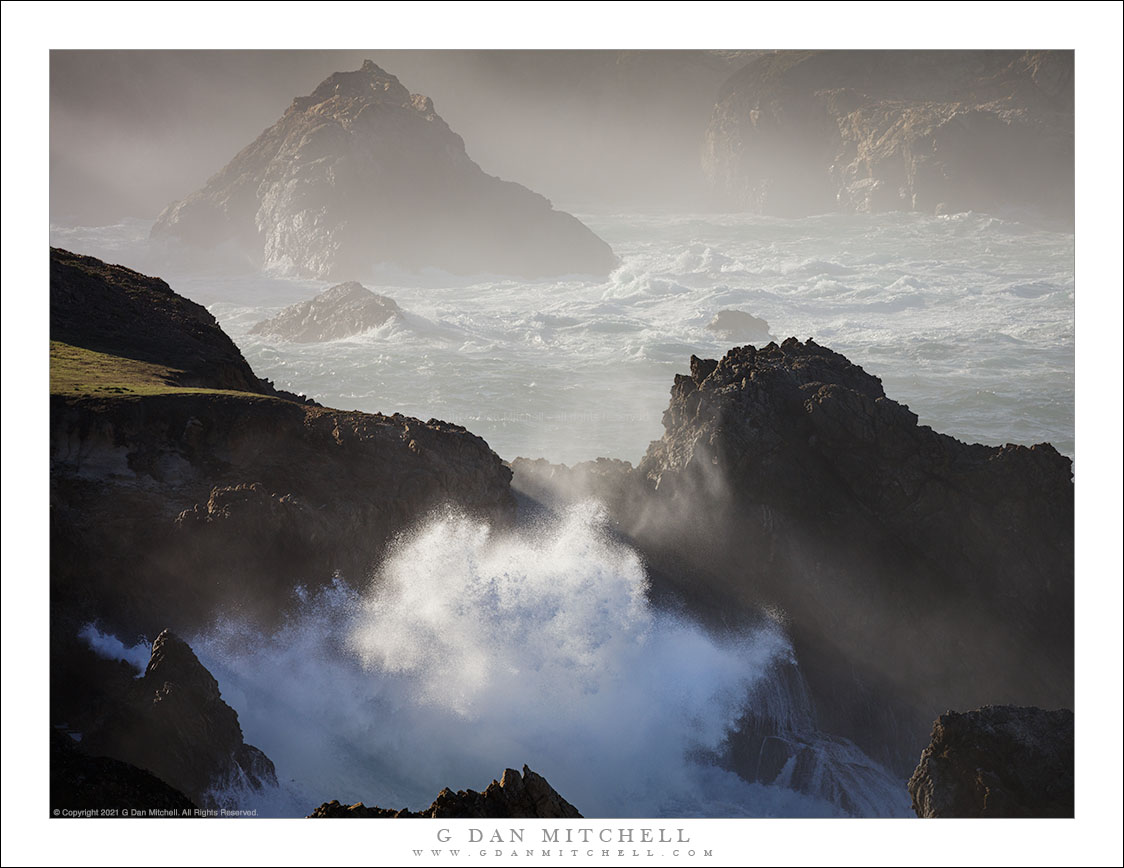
692, 427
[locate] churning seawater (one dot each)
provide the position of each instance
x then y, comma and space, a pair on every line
968, 319
472, 651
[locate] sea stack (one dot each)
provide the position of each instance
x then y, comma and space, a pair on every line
363, 173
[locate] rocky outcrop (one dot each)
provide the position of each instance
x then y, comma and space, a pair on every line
115, 310
344, 310
514, 795
997, 761
80, 782
881, 538
175, 724
362, 172
911, 570
168, 503
737, 325
806, 132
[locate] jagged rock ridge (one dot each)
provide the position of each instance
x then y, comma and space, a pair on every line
997, 761
175, 724
808, 132
339, 312
787, 480
362, 172
526, 795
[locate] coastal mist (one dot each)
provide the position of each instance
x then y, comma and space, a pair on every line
474, 650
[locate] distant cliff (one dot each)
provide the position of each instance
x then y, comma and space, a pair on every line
362, 172
807, 132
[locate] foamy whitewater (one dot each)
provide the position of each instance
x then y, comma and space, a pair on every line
968, 319
470, 653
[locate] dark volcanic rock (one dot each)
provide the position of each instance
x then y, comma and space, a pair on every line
514, 795
806, 132
175, 724
363, 172
739, 326
344, 310
83, 782
997, 761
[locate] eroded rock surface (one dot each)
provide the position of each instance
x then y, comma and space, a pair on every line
997, 761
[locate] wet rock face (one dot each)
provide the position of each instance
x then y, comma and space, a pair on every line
997, 761
362, 172
527, 795
807, 132
344, 310
175, 724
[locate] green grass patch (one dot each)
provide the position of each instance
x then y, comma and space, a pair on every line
77, 371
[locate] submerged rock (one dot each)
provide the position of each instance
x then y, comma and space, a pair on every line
997, 761
739, 326
362, 172
807, 132
175, 724
344, 310
514, 795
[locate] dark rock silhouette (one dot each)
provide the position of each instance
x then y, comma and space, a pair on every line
514, 795
808, 132
997, 761
344, 310
175, 724
362, 172
83, 782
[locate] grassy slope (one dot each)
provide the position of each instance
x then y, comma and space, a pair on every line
77, 372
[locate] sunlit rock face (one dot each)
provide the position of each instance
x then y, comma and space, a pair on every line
807, 132
360, 173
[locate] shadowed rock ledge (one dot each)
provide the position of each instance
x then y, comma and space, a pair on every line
997, 761
514, 795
